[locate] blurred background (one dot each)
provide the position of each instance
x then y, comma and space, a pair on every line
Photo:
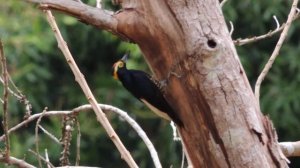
40, 71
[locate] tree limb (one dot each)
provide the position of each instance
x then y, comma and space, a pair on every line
276, 50
98, 17
17, 162
290, 148
88, 93
88, 107
241, 42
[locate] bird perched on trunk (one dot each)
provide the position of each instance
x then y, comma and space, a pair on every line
146, 89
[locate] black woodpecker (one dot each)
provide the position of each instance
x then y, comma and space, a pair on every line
142, 86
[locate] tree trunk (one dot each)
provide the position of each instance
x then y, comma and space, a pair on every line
187, 44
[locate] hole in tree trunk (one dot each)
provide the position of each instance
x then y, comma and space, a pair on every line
212, 43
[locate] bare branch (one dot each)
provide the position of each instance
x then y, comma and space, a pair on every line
98, 4
276, 50
5, 101
17, 162
78, 143
139, 131
51, 136
223, 2
37, 135
88, 93
241, 42
47, 158
231, 28
85, 108
42, 158
182, 159
174, 129
277, 23
22, 98
98, 17
290, 148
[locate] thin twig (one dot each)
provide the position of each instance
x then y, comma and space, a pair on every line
139, 131
88, 93
78, 143
85, 108
174, 129
42, 158
98, 4
22, 98
51, 136
47, 158
182, 158
276, 21
16, 162
10, 90
5, 100
222, 3
276, 50
37, 136
231, 28
241, 42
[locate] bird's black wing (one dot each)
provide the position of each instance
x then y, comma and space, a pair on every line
146, 88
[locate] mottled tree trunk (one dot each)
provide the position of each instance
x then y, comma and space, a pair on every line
188, 44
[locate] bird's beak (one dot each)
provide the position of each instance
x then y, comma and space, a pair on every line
115, 69
125, 57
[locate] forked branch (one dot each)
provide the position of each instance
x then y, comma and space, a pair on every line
271, 33
85, 108
276, 50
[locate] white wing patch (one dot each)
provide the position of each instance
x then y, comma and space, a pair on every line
156, 111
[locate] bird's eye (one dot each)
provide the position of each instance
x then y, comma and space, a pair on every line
121, 64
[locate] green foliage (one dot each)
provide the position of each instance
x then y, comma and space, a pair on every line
40, 71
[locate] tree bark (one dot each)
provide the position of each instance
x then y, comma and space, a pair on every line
188, 44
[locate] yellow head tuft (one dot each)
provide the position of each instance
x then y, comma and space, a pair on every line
116, 66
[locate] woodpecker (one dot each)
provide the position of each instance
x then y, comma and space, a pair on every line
142, 86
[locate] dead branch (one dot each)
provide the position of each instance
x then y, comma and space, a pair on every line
37, 136
47, 158
18, 94
98, 17
276, 50
42, 158
290, 148
51, 136
85, 108
88, 93
5, 101
222, 3
78, 143
271, 33
16, 162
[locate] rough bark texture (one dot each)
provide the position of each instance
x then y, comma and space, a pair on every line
187, 43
